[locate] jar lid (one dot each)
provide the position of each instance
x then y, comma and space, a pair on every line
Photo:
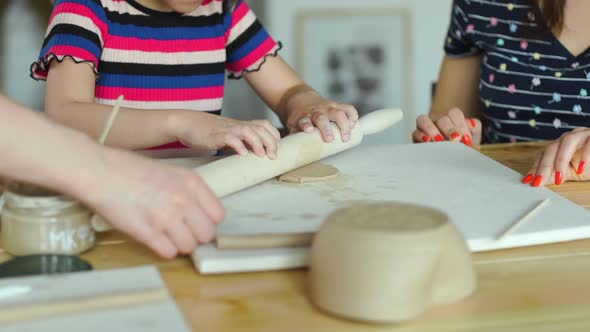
28, 196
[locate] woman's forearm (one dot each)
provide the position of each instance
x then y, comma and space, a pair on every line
457, 86
37, 150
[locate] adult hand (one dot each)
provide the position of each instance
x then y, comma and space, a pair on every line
453, 126
169, 209
563, 160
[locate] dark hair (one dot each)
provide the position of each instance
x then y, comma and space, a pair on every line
552, 12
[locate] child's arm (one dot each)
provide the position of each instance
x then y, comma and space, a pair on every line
70, 100
167, 208
299, 107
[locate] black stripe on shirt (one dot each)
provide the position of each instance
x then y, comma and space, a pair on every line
164, 20
162, 70
244, 37
71, 29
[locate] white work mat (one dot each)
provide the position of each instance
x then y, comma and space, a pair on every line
481, 196
154, 316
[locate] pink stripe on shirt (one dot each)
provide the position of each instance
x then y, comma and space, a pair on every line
145, 94
239, 14
254, 56
81, 10
164, 46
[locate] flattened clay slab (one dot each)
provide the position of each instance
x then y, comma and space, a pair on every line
311, 173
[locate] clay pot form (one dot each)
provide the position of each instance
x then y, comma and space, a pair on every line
388, 262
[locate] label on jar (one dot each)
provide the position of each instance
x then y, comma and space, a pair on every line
71, 239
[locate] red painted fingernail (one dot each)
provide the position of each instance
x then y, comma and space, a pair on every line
581, 167
467, 140
439, 138
528, 179
472, 122
455, 135
558, 178
426, 138
537, 182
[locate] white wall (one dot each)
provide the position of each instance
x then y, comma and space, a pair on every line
429, 24
240, 101
23, 32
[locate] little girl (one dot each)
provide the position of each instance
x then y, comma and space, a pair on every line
169, 58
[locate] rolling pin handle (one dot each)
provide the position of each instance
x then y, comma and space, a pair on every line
379, 120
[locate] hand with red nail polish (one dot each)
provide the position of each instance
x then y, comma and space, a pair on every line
467, 140
581, 168
558, 178
538, 180
528, 179
452, 126
563, 160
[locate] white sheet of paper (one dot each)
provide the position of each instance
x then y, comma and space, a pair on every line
481, 196
162, 316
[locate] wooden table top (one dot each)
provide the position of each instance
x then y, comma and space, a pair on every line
544, 288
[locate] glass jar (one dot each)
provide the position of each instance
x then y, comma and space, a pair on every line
38, 221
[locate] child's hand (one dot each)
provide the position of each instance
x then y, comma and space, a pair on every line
259, 135
310, 110
453, 126
563, 160
217, 132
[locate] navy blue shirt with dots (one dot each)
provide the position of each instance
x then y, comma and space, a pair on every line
531, 87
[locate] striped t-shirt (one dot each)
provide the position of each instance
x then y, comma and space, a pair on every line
531, 86
157, 60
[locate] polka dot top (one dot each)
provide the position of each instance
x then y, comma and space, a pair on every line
531, 87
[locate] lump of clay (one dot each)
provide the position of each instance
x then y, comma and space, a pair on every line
388, 262
311, 173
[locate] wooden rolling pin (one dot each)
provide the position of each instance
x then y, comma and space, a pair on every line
229, 175
232, 174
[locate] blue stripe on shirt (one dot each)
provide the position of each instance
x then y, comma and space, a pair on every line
161, 82
248, 47
173, 33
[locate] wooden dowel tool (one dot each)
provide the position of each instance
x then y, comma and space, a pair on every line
524, 219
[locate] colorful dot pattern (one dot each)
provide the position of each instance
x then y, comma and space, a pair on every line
531, 87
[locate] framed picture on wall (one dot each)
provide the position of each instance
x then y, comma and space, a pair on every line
358, 56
